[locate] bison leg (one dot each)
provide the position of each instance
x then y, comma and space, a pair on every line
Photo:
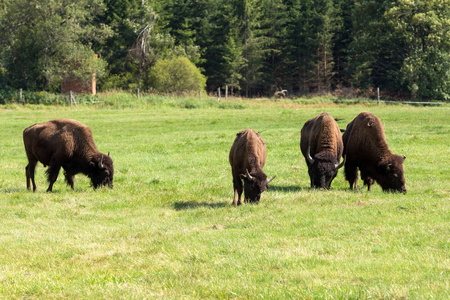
368, 181
311, 182
238, 188
355, 182
29, 172
366, 176
351, 174
52, 173
69, 178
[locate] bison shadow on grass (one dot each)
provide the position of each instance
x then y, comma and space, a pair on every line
181, 205
287, 188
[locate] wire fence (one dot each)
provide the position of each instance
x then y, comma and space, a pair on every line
72, 99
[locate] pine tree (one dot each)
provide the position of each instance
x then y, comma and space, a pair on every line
308, 47
253, 43
233, 64
342, 38
273, 21
324, 15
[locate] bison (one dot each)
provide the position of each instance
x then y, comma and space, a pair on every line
247, 159
68, 144
321, 145
366, 148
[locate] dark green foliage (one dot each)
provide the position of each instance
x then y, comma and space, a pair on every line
424, 29
125, 19
310, 31
402, 47
255, 47
11, 96
42, 42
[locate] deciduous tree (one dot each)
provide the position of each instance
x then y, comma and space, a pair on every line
39, 39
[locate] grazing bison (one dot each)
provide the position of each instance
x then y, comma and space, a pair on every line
366, 148
247, 159
68, 144
321, 145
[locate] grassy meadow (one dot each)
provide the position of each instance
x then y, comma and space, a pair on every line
168, 230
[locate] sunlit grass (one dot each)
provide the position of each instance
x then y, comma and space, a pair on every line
168, 229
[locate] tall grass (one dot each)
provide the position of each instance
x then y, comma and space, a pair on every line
168, 229
115, 99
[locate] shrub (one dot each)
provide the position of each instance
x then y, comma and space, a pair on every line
176, 75
8, 95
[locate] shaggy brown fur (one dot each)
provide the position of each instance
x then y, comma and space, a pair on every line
366, 148
68, 144
247, 158
322, 136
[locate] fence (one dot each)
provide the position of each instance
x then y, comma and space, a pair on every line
26, 97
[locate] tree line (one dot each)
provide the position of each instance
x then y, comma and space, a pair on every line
256, 47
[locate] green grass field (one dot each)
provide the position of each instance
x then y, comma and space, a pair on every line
168, 230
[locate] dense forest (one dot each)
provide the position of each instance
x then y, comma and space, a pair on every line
254, 47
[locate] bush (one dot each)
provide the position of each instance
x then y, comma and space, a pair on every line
8, 95
176, 75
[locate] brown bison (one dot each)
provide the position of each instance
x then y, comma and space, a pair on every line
68, 144
321, 145
366, 148
247, 159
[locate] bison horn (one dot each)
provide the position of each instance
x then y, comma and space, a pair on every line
249, 177
100, 163
271, 179
308, 156
338, 166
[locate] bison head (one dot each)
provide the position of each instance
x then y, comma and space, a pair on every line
254, 185
322, 169
101, 171
392, 178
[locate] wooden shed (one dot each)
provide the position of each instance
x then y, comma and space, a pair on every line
73, 85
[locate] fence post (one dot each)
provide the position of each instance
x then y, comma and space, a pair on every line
70, 98
20, 96
218, 93
226, 92
378, 96
138, 93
